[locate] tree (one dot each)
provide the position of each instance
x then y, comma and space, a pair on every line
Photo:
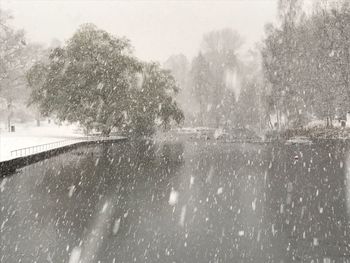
35, 79
16, 57
251, 109
281, 63
179, 68
201, 84
220, 50
12, 44
93, 80
341, 35
325, 47
306, 60
87, 80
152, 104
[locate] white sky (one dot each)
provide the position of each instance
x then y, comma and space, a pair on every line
157, 29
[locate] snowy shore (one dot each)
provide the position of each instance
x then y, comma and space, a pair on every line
318, 133
30, 135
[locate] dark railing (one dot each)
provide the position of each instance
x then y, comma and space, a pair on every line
43, 147
53, 145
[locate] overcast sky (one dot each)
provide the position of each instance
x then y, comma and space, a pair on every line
157, 29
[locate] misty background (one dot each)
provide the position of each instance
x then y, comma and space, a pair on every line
246, 64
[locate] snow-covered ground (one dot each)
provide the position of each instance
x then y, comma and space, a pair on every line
29, 135
322, 123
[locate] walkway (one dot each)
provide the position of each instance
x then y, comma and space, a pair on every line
52, 136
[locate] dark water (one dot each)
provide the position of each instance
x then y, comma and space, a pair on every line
181, 202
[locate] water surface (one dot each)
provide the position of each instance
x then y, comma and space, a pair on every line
181, 202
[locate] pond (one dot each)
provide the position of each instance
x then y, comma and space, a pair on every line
179, 201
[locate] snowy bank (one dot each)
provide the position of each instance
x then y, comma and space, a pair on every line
317, 133
8, 167
29, 136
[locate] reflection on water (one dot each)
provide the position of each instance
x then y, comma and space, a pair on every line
191, 202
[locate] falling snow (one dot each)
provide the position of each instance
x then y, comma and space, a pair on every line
237, 151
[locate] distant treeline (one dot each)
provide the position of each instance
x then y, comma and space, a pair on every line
306, 61
298, 73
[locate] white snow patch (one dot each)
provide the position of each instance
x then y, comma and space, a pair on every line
71, 190
182, 216
191, 181
75, 255
104, 208
282, 209
218, 133
2, 185
174, 197
29, 135
241, 233
220, 190
2, 225
299, 140
254, 204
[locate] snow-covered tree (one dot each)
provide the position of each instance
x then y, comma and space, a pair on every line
180, 69
151, 105
306, 60
93, 80
201, 85
220, 50
16, 56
